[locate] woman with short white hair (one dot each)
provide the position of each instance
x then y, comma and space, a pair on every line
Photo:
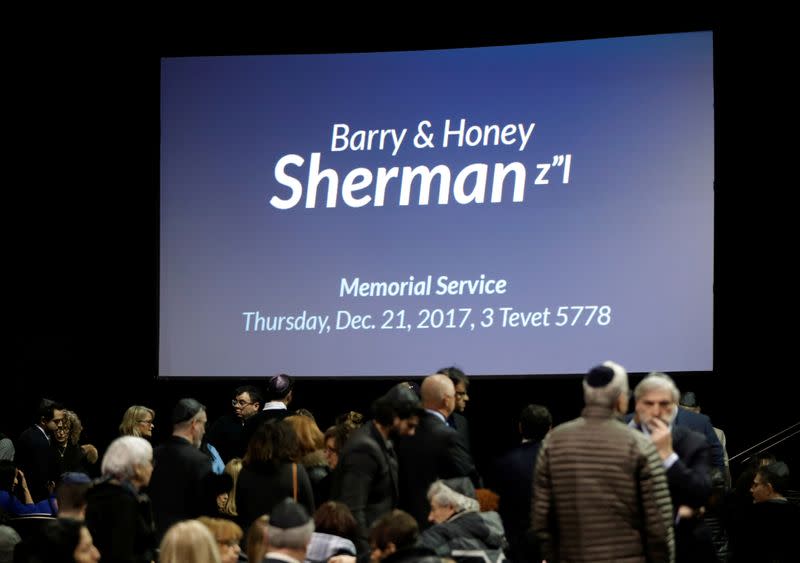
459, 528
118, 515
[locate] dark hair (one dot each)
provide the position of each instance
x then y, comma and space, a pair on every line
689, 399
456, 375
71, 495
534, 422
186, 409
46, 410
273, 442
55, 542
384, 410
339, 433
254, 392
278, 387
775, 474
395, 527
7, 473
335, 518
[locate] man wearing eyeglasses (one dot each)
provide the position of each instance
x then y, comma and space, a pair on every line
226, 433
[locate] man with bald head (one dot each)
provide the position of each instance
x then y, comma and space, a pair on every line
436, 451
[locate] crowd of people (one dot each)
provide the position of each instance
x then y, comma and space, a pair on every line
265, 483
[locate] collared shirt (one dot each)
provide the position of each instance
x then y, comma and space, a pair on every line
43, 431
274, 406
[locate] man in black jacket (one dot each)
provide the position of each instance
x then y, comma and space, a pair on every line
436, 451
367, 480
183, 486
685, 455
34, 455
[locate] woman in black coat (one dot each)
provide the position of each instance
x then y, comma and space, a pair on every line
268, 475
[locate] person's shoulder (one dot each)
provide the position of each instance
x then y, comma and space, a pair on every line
31, 433
692, 419
361, 441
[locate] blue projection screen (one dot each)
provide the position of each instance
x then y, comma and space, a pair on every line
529, 209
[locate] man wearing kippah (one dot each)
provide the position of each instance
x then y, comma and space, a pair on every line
277, 396
289, 531
601, 490
182, 485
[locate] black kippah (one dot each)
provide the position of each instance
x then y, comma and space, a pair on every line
288, 514
599, 376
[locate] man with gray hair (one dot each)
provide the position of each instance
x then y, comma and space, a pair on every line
601, 492
289, 530
183, 485
685, 456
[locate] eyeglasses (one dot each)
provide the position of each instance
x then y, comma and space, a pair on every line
236, 403
461, 393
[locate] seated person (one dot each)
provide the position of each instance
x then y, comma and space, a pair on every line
11, 479
771, 524
335, 530
460, 529
394, 539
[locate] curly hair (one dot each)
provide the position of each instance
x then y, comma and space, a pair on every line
74, 425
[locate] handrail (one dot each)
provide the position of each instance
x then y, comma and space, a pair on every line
773, 437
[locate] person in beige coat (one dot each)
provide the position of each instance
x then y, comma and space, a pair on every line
600, 489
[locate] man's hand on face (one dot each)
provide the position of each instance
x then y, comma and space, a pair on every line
661, 435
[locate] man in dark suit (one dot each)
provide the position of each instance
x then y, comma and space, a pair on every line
34, 456
686, 459
436, 451
278, 394
457, 420
513, 480
366, 475
225, 434
701, 423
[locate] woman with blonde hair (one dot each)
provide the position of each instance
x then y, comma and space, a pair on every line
189, 541
138, 421
228, 536
232, 468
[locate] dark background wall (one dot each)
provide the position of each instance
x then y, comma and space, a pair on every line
81, 212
